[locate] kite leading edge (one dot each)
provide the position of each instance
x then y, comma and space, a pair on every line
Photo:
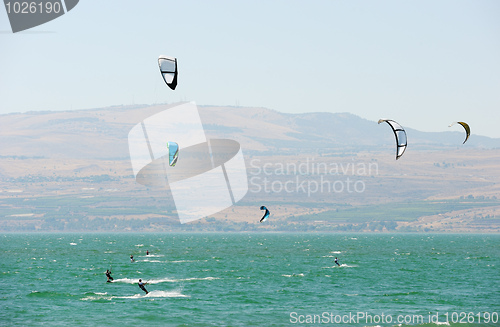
400, 134
465, 126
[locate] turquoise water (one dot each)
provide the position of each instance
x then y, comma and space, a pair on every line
249, 279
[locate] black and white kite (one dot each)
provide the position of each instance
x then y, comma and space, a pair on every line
400, 135
168, 70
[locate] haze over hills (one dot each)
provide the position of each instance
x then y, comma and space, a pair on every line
71, 171
102, 133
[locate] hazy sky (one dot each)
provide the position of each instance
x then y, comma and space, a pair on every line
422, 63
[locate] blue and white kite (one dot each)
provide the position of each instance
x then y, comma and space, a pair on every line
173, 153
266, 215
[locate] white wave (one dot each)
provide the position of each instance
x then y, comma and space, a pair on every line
294, 275
97, 296
197, 278
152, 256
94, 297
344, 265
161, 280
148, 281
72, 244
147, 260
152, 294
126, 280
139, 245
337, 252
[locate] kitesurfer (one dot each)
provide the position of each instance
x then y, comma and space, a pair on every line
108, 274
132, 258
141, 286
147, 252
337, 261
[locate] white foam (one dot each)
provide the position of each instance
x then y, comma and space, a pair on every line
197, 278
92, 298
344, 265
149, 281
161, 280
152, 294
294, 275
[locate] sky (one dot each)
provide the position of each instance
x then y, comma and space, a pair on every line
422, 63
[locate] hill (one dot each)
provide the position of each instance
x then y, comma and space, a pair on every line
102, 133
322, 171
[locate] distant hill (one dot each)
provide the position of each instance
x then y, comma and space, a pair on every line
102, 133
71, 171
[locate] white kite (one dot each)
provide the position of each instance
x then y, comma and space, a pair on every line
400, 135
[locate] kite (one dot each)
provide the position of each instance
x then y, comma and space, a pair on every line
173, 153
266, 215
400, 135
168, 70
467, 129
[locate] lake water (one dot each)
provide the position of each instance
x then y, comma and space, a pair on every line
250, 279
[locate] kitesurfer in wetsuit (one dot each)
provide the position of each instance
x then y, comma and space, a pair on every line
147, 252
108, 274
141, 285
132, 258
337, 261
